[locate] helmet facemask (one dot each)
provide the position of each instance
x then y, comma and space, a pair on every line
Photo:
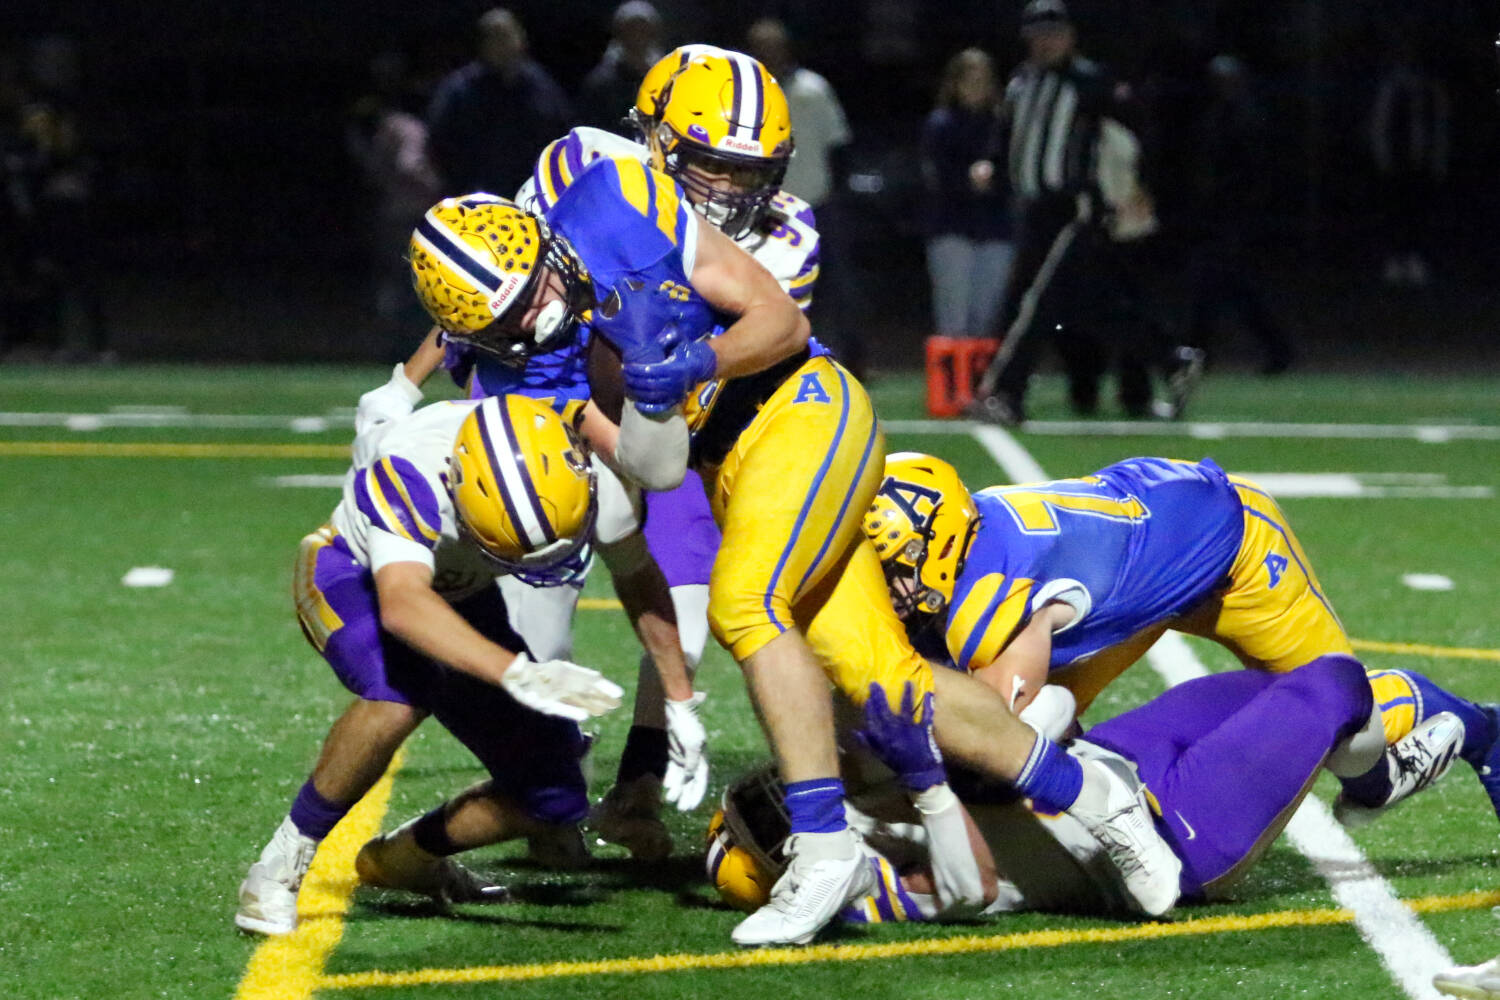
734, 211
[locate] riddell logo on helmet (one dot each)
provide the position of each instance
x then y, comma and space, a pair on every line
739, 145
505, 294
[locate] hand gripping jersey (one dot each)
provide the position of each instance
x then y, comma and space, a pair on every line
398, 509
1127, 547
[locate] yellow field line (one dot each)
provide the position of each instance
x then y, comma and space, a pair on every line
143, 449
1450, 652
291, 967
960, 945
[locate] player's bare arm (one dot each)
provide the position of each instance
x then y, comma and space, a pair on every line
417, 615
770, 326
1020, 670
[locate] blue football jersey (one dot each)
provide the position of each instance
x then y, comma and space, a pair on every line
636, 235
1129, 546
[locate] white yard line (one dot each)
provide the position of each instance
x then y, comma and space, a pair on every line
1405, 945
1215, 430
144, 417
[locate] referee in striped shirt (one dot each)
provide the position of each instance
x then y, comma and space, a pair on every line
1082, 219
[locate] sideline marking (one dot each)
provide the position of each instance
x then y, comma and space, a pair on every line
966, 944
1405, 944
144, 449
1365, 485
1417, 649
291, 967
1213, 430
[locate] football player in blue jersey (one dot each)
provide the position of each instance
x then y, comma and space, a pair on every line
397, 593
689, 333
1071, 581
718, 123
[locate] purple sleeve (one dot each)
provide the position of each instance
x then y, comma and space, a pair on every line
397, 498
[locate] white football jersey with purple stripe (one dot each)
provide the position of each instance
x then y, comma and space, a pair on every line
397, 508
786, 245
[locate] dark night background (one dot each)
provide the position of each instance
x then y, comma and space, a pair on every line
227, 218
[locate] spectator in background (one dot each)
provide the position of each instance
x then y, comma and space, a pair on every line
17, 287
816, 176
388, 140
1084, 224
967, 218
489, 117
1227, 208
1409, 143
60, 171
610, 87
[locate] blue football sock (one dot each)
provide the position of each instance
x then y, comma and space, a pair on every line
816, 806
1479, 725
1052, 777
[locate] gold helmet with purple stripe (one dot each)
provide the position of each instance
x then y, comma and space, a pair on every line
522, 487
723, 130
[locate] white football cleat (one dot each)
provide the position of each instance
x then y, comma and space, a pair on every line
1475, 982
826, 872
630, 815
1414, 761
1150, 871
268, 895
267, 904
395, 861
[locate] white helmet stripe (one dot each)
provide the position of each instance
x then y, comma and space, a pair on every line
521, 501
749, 96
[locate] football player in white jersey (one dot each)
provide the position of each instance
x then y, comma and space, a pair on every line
397, 592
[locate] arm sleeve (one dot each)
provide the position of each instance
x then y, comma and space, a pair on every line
955, 870
652, 452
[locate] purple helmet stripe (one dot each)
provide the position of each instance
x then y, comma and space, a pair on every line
505, 497
459, 256
531, 496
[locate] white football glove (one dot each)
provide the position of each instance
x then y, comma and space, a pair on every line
687, 765
557, 687
378, 410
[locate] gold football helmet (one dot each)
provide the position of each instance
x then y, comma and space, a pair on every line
724, 114
643, 115
523, 488
747, 840
477, 262
921, 523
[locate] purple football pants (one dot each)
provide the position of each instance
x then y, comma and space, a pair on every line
1229, 756
533, 758
681, 534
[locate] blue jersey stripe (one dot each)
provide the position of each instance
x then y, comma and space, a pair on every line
976, 635
807, 505
858, 474
1293, 550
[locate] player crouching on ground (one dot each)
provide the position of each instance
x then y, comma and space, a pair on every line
397, 592
1230, 756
